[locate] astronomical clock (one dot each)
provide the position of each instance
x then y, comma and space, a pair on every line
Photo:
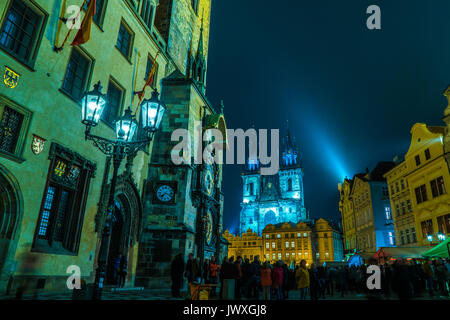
206, 198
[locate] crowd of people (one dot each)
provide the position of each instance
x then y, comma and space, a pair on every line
239, 278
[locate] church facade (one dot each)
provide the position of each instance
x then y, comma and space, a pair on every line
273, 199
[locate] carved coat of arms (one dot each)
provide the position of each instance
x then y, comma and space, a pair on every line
10, 78
37, 145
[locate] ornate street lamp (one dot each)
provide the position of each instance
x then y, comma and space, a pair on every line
92, 105
152, 111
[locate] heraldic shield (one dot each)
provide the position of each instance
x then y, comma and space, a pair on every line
10, 78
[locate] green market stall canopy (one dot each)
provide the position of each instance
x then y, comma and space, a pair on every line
439, 251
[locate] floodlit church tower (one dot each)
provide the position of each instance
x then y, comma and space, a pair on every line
273, 199
291, 181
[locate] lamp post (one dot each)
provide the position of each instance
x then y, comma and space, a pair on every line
439, 236
126, 144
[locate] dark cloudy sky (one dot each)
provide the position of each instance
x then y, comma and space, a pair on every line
351, 94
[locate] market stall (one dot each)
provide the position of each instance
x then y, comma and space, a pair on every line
388, 253
442, 250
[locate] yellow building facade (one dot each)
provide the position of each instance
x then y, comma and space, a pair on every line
328, 242
364, 220
364, 204
347, 215
400, 196
247, 245
290, 243
428, 180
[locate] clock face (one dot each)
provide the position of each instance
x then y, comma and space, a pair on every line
165, 193
208, 180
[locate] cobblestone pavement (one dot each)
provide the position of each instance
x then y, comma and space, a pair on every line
148, 294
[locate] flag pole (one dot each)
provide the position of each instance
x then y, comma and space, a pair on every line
58, 49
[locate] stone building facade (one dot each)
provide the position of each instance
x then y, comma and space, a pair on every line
347, 215
56, 183
190, 221
273, 199
428, 181
317, 241
368, 205
402, 211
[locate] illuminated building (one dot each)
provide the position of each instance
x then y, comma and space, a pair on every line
273, 199
428, 179
372, 209
316, 241
402, 211
447, 130
328, 242
247, 245
54, 194
347, 215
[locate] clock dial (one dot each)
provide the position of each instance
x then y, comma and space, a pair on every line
165, 193
209, 228
208, 181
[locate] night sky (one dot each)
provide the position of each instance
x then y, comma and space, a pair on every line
351, 94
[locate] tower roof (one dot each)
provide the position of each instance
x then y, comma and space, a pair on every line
289, 156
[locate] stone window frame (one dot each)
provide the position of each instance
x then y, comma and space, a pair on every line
129, 53
99, 14
17, 155
71, 243
88, 75
37, 37
112, 81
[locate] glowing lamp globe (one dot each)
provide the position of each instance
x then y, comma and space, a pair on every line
126, 127
92, 105
152, 112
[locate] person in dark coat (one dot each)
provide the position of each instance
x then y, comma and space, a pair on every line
123, 270
313, 281
246, 275
206, 271
176, 273
285, 286
322, 281
188, 272
238, 282
255, 278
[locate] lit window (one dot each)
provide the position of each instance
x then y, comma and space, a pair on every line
273, 245
388, 214
19, 33
124, 40
267, 245
305, 235
278, 235
77, 74
287, 244
292, 244
298, 235
279, 256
